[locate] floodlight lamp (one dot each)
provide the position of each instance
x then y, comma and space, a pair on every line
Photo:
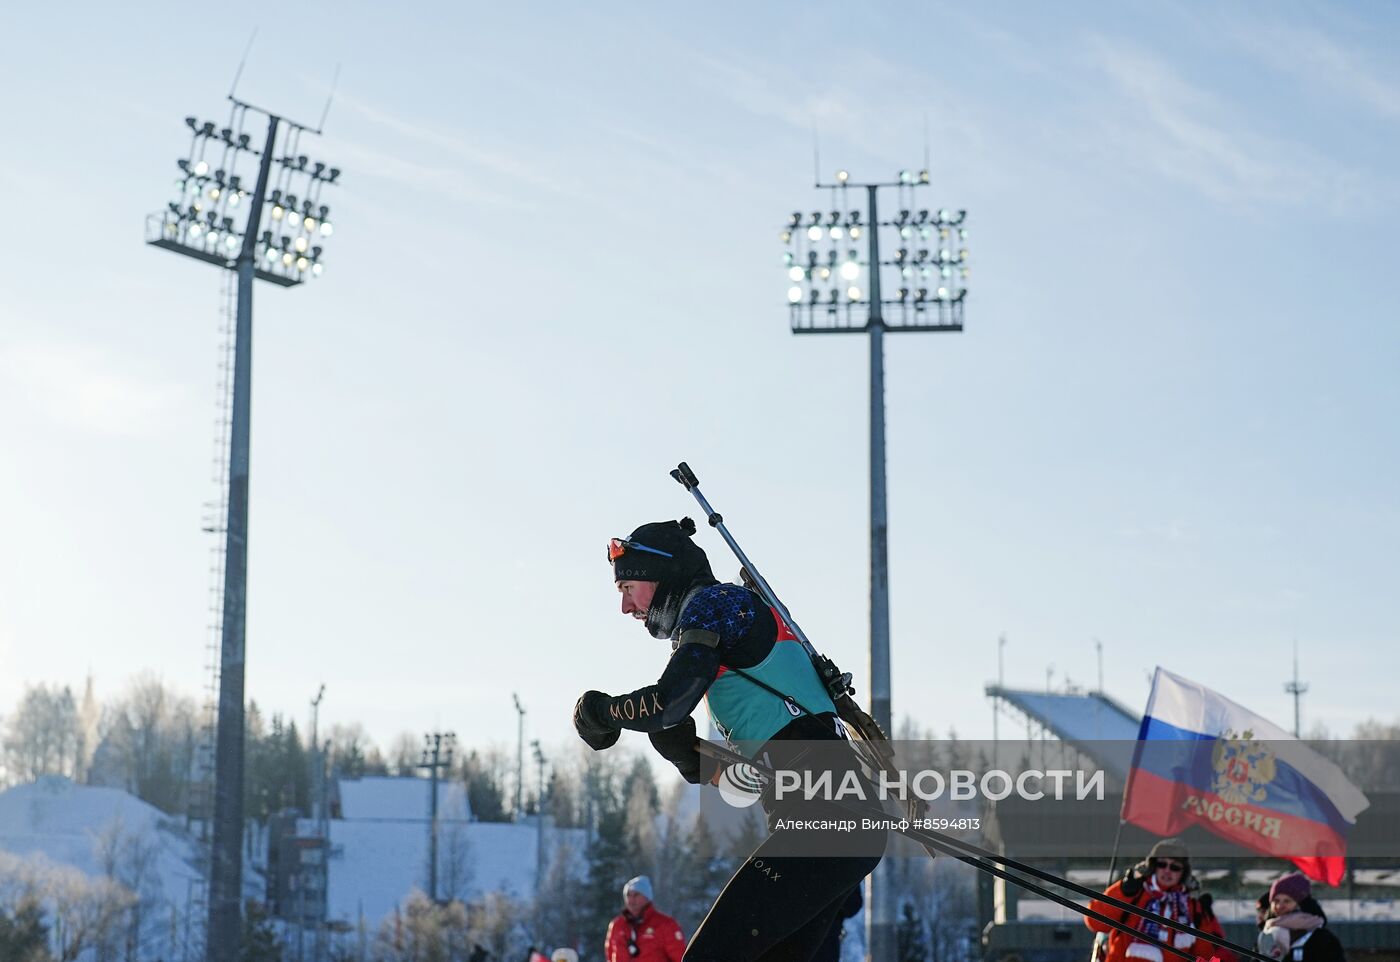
306, 207
324, 211
300, 245
316, 170
943, 293
831, 256
267, 237
794, 295
921, 295
902, 218
195, 229
174, 208
814, 233
183, 164
226, 135
787, 258
208, 128
923, 217
942, 233
816, 217
854, 217
270, 254
785, 236
965, 272
811, 258
903, 294
906, 272
213, 193
201, 168
192, 123
286, 260
943, 215
228, 223
234, 198
292, 201
855, 233
842, 176
923, 177
315, 253
196, 208
302, 263
853, 293
326, 229
900, 255
302, 161
796, 273
335, 172
922, 255
284, 241
824, 273
277, 212
906, 233
814, 295
850, 271
795, 219
213, 237
316, 269
275, 196
924, 272
836, 233
962, 254
309, 222
923, 233
834, 217
962, 233
833, 296
231, 242
904, 177
944, 256
945, 272
243, 141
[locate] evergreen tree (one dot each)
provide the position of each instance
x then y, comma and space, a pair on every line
911, 940
23, 936
608, 869
259, 942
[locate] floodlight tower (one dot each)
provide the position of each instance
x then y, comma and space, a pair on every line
837, 289
216, 219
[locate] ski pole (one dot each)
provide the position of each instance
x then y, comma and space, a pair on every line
987, 861
687, 478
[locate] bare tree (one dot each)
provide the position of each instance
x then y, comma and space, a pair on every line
41, 736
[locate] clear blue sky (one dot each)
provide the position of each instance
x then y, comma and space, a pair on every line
1171, 424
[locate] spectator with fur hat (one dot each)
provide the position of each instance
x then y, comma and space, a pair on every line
1161, 883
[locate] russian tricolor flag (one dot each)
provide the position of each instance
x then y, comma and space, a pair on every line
1203, 760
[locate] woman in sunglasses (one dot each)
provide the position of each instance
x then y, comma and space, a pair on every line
766, 697
1161, 883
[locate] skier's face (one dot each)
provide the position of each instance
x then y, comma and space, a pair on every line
636, 597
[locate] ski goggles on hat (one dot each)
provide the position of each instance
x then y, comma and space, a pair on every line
617, 547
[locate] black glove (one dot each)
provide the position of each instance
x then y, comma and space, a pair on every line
1135, 878
592, 723
677, 746
1207, 901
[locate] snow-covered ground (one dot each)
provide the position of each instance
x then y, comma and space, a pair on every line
99, 831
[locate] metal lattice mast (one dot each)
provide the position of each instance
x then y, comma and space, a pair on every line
824, 263
215, 219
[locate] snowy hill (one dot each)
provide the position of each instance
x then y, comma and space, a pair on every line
99, 831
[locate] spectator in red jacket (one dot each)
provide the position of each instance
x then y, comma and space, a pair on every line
641, 933
1161, 883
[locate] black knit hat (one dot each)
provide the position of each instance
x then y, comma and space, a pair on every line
682, 567
683, 558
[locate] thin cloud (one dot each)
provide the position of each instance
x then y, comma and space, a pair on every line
1183, 133
82, 389
1316, 59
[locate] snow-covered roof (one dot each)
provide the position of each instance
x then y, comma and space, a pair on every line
386, 798
374, 865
